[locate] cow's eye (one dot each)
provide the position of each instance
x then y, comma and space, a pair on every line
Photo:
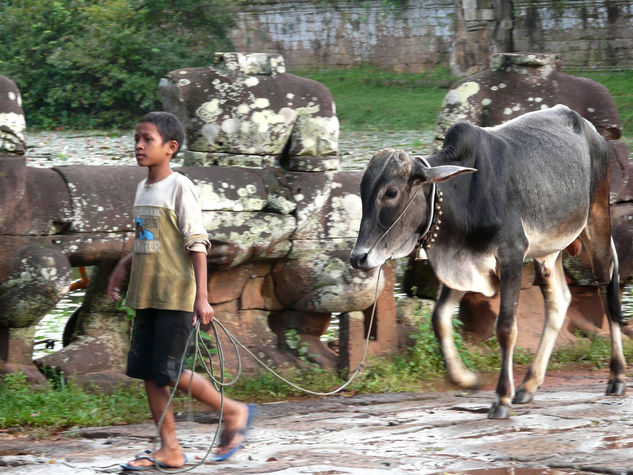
391, 193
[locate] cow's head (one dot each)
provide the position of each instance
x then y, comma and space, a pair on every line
393, 179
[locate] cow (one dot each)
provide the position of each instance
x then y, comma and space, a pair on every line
491, 198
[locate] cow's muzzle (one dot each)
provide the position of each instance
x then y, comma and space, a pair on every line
358, 259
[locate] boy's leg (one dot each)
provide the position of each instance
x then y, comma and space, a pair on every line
158, 342
235, 414
169, 452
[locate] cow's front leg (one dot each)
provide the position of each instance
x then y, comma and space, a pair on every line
443, 327
506, 330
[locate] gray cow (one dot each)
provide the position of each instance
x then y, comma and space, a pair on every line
528, 189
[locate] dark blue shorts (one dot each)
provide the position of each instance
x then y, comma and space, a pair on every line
159, 339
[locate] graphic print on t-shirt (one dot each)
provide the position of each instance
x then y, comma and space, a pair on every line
147, 230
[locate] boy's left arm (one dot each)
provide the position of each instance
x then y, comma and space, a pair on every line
202, 310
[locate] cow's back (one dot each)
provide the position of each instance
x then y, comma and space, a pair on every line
549, 163
536, 176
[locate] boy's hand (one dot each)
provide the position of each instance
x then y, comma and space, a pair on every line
114, 293
117, 277
203, 311
114, 283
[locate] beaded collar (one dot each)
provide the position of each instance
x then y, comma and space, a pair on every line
429, 235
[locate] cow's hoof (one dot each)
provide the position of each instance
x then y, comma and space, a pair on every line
616, 388
522, 396
499, 411
467, 380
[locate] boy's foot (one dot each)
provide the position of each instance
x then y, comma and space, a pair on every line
144, 461
233, 436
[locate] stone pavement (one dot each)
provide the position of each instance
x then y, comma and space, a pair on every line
569, 428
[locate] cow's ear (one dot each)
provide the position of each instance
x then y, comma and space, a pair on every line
444, 172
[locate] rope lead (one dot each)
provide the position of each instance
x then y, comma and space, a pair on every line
219, 383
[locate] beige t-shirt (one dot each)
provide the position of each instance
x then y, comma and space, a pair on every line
169, 226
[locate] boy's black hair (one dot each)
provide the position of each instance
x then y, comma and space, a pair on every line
168, 125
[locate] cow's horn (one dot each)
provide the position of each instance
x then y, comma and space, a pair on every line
437, 174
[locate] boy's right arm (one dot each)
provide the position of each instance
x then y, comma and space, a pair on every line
117, 277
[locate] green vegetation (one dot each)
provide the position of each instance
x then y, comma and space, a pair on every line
86, 63
371, 99
62, 405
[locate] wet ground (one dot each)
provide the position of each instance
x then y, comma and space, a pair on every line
569, 428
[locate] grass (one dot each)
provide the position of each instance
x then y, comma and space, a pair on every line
371, 99
61, 406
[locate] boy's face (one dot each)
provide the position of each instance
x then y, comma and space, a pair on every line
149, 147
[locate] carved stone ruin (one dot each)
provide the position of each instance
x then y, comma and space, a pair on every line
263, 154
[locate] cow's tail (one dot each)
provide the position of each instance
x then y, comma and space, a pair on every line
614, 307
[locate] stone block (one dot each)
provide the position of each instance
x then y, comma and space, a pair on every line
324, 281
227, 285
259, 293
328, 204
620, 173
249, 234
351, 340
228, 312
228, 188
252, 297
12, 132
246, 110
96, 194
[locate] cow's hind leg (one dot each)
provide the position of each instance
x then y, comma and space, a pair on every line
609, 293
611, 302
443, 327
557, 297
596, 238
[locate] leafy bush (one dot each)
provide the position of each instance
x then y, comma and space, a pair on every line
89, 63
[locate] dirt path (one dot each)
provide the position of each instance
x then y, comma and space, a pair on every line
570, 428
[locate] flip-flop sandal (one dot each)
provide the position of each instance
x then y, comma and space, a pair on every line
155, 463
142, 453
227, 436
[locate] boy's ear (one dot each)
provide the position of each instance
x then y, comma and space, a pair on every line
173, 146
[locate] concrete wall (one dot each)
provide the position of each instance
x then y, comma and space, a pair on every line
589, 34
417, 35
413, 37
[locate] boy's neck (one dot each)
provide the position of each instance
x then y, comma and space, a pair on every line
156, 174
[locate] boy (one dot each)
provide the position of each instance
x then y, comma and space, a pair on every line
168, 289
